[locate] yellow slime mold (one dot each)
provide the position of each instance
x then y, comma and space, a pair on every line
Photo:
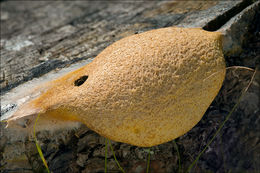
144, 90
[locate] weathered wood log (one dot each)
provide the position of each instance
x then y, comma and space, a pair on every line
40, 37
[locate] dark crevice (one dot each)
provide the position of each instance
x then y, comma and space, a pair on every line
251, 49
2, 1
219, 21
40, 70
80, 80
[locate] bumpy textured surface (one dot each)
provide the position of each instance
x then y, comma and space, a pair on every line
145, 89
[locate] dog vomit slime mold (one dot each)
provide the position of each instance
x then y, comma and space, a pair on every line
144, 90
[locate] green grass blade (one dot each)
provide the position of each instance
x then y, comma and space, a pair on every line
38, 146
222, 124
106, 157
115, 157
2, 167
148, 161
179, 157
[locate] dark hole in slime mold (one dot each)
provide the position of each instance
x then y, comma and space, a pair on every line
80, 80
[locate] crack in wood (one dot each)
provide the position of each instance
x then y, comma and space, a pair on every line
220, 20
